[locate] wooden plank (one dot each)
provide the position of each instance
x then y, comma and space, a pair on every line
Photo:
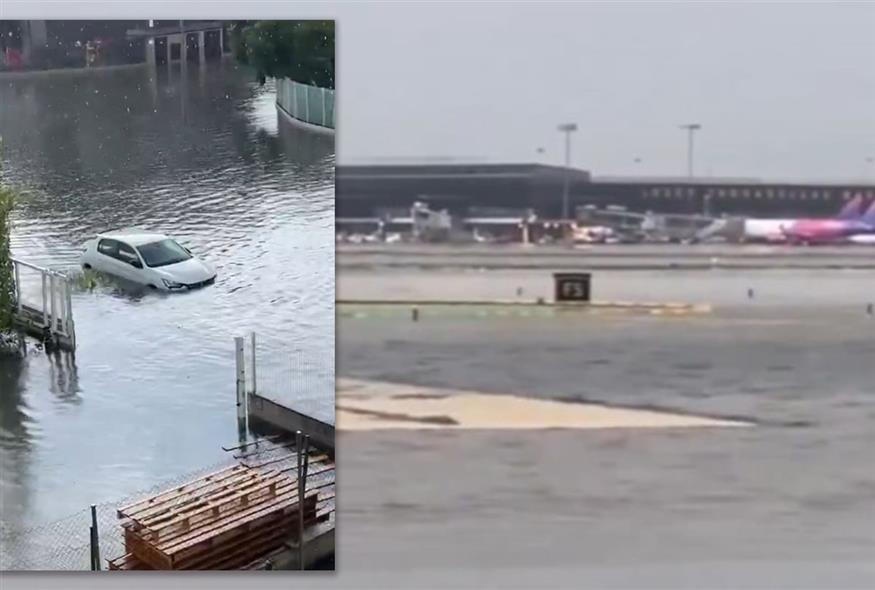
213, 505
218, 521
162, 556
242, 543
252, 551
241, 480
190, 496
151, 517
220, 535
210, 560
231, 554
127, 562
187, 488
208, 515
167, 539
256, 517
327, 496
146, 552
250, 547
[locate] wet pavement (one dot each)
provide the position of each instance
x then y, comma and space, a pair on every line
149, 393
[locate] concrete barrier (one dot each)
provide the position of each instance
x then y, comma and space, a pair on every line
289, 420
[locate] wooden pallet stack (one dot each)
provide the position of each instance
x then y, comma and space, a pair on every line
222, 521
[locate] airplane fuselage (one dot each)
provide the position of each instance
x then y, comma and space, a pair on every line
826, 230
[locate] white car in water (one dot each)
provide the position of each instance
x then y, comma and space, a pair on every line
149, 259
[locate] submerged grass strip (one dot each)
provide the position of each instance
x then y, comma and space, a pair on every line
370, 405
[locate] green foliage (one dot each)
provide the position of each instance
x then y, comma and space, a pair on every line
7, 287
302, 50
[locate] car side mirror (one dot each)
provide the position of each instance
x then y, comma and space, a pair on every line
136, 264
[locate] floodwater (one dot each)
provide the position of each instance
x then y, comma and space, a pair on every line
200, 155
771, 292
785, 503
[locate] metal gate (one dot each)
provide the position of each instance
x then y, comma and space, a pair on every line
44, 304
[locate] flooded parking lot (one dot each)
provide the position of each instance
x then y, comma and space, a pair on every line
149, 393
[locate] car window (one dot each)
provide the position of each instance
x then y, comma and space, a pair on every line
163, 253
108, 247
126, 253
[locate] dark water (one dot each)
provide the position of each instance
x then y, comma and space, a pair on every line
787, 503
150, 392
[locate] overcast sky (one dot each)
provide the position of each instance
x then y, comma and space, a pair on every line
781, 90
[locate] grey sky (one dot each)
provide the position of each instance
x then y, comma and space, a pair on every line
782, 90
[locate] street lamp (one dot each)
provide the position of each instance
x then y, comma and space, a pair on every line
567, 129
691, 128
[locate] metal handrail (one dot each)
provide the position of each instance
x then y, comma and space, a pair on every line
50, 271
56, 304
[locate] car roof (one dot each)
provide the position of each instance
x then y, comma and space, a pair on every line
133, 237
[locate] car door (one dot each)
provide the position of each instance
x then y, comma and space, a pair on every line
130, 262
111, 260
106, 259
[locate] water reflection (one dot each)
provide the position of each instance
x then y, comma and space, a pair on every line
13, 409
16, 441
199, 154
64, 378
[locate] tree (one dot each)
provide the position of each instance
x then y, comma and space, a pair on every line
302, 51
7, 287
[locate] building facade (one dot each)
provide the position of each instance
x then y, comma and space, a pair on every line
50, 44
467, 189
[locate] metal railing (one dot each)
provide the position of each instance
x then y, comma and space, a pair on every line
47, 307
310, 104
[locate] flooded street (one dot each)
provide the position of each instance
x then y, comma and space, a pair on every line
202, 156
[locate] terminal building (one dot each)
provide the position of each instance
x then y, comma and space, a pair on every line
484, 189
50, 44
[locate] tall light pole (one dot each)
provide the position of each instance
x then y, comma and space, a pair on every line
691, 129
567, 129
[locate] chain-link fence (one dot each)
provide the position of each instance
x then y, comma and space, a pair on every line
294, 374
310, 104
65, 544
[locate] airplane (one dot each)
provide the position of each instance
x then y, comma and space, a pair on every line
807, 231
752, 229
780, 230
863, 239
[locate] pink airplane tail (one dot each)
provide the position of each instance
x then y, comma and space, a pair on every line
852, 209
869, 215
